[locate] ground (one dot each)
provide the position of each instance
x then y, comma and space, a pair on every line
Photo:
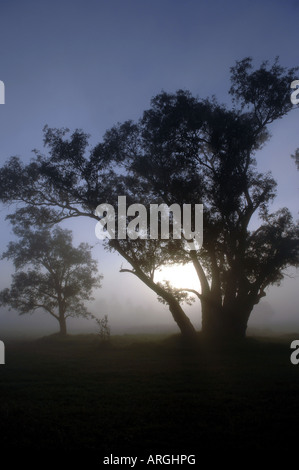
147, 395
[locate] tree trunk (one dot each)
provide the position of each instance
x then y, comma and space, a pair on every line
187, 329
225, 324
62, 324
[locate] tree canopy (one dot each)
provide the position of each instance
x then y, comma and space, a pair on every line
183, 150
58, 278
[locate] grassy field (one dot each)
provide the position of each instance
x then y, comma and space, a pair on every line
147, 395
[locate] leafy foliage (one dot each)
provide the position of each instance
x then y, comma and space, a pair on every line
182, 150
58, 279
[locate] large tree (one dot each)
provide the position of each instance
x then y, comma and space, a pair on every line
182, 150
58, 277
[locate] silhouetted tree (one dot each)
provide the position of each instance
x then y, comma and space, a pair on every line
296, 157
58, 278
183, 150
104, 329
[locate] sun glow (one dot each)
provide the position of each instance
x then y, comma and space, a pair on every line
179, 276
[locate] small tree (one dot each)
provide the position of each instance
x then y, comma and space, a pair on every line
58, 279
104, 329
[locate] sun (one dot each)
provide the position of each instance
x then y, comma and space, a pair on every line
179, 276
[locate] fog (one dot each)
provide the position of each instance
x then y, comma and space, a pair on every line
92, 67
133, 308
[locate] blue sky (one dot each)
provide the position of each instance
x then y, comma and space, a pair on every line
90, 64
